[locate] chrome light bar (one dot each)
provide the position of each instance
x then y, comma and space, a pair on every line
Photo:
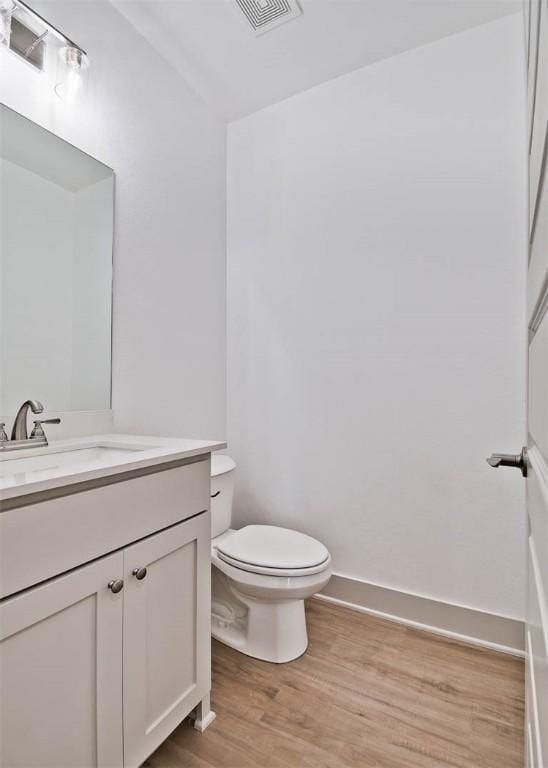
48, 26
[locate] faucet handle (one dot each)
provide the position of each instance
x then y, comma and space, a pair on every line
3, 435
38, 430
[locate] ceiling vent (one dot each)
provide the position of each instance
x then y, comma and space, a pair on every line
264, 15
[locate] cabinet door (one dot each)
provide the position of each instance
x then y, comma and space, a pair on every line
167, 641
61, 672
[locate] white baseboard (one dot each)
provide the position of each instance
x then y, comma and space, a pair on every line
468, 625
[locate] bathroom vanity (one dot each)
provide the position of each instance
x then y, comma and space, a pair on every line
105, 574
105, 609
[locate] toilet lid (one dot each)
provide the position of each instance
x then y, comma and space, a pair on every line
220, 464
268, 546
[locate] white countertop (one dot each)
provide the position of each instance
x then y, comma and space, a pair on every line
66, 462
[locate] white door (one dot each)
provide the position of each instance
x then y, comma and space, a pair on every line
537, 480
61, 672
167, 642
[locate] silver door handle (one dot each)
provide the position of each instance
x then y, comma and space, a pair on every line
519, 460
139, 573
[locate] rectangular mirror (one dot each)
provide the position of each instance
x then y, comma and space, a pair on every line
56, 231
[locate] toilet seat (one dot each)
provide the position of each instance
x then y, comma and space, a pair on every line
273, 551
262, 570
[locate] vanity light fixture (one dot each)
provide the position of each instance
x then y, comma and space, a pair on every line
24, 32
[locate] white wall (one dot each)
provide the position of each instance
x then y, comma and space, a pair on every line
376, 337
168, 151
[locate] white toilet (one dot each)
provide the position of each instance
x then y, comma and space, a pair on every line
260, 577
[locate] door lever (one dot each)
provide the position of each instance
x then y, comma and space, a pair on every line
519, 461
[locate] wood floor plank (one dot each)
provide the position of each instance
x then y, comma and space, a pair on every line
369, 693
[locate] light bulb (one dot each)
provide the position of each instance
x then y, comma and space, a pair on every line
68, 89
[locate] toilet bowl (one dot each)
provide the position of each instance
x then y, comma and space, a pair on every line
261, 576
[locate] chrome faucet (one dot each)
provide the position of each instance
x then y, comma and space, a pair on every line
19, 431
19, 435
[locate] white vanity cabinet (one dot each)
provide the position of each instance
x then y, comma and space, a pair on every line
61, 671
92, 674
167, 634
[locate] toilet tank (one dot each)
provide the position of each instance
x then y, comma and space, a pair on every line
222, 491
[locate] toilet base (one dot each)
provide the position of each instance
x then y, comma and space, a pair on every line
270, 630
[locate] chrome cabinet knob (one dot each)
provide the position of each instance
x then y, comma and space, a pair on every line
139, 573
519, 460
116, 585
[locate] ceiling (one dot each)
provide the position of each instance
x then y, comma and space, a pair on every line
210, 44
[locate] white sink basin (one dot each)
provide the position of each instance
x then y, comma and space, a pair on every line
81, 459
90, 458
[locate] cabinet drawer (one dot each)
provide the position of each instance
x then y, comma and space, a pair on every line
47, 538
